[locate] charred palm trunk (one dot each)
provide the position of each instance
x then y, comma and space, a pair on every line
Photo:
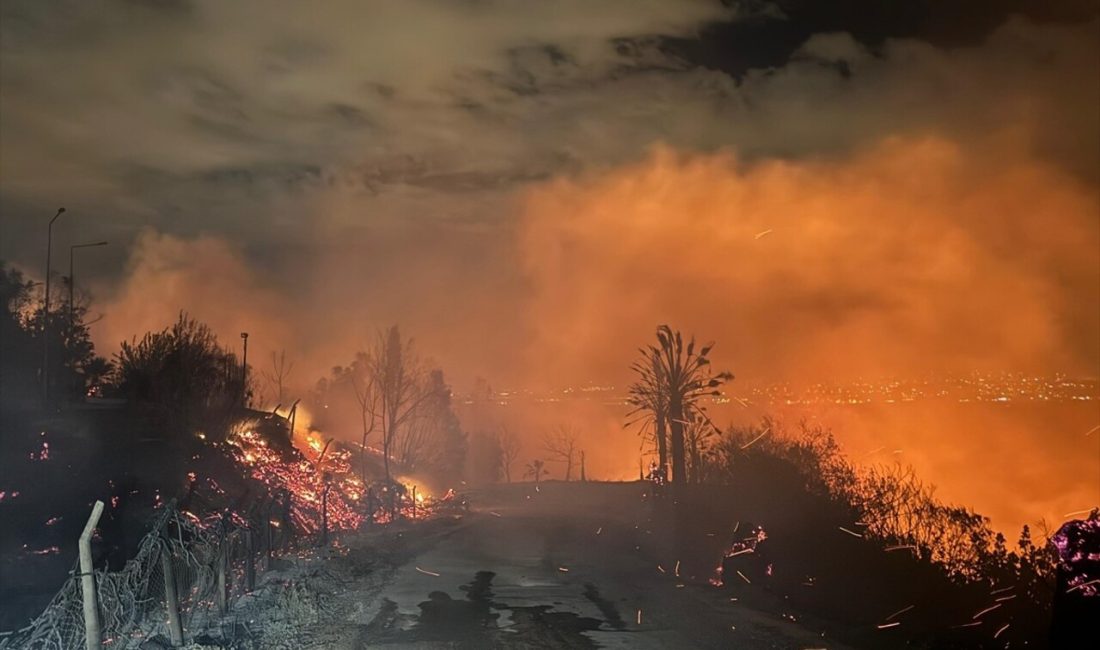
662, 439
676, 423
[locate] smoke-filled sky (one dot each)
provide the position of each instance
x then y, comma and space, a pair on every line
872, 188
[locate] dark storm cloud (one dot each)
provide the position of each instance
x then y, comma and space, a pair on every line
768, 33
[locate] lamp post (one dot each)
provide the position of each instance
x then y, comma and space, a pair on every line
72, 278
244, 370
46, 314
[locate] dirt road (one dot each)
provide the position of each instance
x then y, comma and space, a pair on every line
546, 573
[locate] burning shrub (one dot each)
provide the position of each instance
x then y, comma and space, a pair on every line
887, 523
746, 558
1077, 597
318, 483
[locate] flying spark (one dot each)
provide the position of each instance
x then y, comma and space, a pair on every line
903, 546
873, 452
1083, 585
750, 443
427, 573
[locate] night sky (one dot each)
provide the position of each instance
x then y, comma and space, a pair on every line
528, 188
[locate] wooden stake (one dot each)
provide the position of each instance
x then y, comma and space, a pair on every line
171, 601
249, 561
268, 542
92, 632
223, 560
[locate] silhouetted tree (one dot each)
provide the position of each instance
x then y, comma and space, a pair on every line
20, 360
432, 438
361, 380
74, 366
683, 376
697, 437
535, 469
649, 397
485, 460
561, 444
279, 374
398, 378
181, 372
510, 447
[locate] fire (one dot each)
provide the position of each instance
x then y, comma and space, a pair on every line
315, 492
740, 546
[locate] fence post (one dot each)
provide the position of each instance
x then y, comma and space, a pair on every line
92, 632
171, 601
249, 561
223, 560
324, 510
269, 541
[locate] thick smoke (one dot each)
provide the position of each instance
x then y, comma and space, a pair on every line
856, 212
912, 256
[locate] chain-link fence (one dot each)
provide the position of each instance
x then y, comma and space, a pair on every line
199, 565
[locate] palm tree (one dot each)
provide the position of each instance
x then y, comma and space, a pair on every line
672, 380
650, 400
536, 468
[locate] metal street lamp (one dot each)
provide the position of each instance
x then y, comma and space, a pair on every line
244, 370
46, 314
72, 278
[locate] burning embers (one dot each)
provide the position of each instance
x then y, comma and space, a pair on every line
745, 559
314, 488
1078, 545
317, 484
1077, 592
